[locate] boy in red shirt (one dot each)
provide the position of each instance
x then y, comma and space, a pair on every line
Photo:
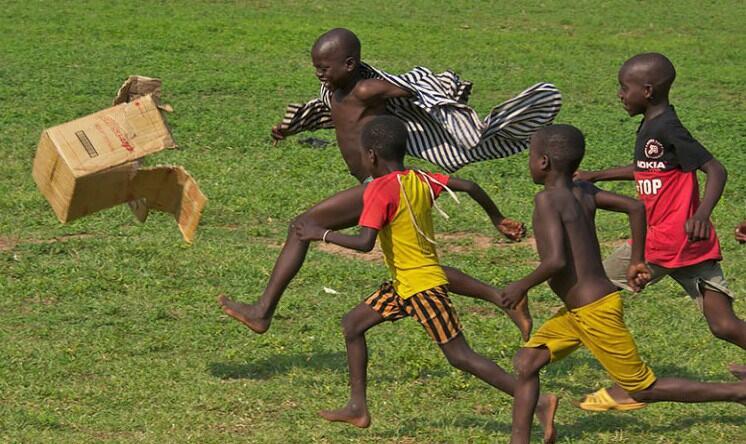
397, 210
681, 241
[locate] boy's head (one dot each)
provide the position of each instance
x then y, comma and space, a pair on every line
645, 80
336, 56
555, 148
384, 140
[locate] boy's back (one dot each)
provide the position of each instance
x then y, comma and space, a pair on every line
569, 213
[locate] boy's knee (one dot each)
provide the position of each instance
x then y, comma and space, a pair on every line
458, 359
725, 329
305, 217
528, 362
349, 327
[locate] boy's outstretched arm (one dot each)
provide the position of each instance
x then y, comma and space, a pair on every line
512, 229
698, 226
550, 242
616, 173
638, 273
364, 241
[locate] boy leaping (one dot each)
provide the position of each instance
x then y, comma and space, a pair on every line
681, 241
397, 209
352, 94
571, 261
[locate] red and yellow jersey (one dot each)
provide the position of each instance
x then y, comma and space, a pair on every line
399, 205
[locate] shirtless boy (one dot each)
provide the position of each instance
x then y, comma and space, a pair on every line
336, 57
570, 256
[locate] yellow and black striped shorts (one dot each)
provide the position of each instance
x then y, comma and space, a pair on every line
432, 308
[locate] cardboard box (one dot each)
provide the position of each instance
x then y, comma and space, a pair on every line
88, 164
170, 189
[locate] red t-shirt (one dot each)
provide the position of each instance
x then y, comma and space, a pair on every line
381, 198
666, 161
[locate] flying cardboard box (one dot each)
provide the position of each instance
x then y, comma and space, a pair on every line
88, 164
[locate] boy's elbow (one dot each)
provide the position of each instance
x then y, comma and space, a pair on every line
556, 264
367, 246
636, 207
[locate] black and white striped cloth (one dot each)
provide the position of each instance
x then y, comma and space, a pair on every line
442, 128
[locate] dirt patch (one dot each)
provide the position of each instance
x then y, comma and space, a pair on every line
481, 310
376, 255
7, 243
457, 242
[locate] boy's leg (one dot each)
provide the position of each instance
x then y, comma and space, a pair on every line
339, 211
465, 285
461, 356
722, 320
707, 286
354, 325
685, 390
527, 363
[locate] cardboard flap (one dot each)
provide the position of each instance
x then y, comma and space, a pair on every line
138, 86
172, 189
113, 136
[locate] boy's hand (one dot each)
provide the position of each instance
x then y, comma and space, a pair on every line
278, 133
586, 176
510, 296
309, 231
638, 275
512, 229
697, 228
741, 232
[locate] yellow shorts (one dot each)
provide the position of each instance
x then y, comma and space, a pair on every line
600, 328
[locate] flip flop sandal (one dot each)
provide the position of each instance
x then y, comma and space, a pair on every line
601, 401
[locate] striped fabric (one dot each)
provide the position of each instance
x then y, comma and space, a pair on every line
432, 308
442, 128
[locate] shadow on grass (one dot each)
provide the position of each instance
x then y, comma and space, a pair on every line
279, 364
608, 422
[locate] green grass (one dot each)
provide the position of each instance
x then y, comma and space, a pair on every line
114, 335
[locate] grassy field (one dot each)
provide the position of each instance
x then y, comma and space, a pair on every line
109, 330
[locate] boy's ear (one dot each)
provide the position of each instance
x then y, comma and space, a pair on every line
647, 90
544, 162
350, 64
372, 157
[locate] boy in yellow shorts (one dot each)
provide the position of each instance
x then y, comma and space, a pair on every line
397, 209
593, 315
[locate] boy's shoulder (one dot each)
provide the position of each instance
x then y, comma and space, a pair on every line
366, 89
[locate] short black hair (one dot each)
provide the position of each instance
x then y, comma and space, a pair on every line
386, 136
563, 144
340, 40
653, 68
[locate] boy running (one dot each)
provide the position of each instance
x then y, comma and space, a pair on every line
681, 241
566, 240
351, 99
397, 209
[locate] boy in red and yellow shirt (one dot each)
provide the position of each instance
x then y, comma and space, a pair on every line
397, 210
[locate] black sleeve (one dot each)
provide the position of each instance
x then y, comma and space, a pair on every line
689, 152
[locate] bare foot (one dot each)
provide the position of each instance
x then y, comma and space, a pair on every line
545, 411
738, 370
357, 416
521, 317
244, 313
